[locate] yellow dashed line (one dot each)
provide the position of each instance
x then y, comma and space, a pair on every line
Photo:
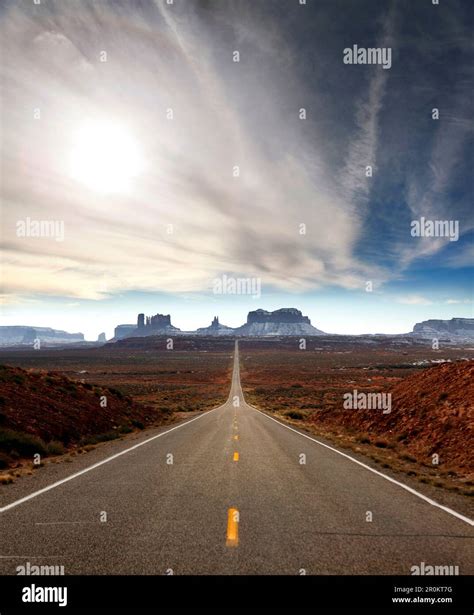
232, 527
236, 456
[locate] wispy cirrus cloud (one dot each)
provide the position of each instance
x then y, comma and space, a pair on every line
226, 114
362, 149
414, 300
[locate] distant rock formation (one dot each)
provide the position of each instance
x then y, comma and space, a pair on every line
26, 336
215, 329
101, 338
122, 331
159, 324
286, 321
288, 315
260, 323
456, 328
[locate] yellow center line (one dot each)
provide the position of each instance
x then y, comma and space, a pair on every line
236, 456
232, 527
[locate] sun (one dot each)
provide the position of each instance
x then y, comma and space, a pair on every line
105, 157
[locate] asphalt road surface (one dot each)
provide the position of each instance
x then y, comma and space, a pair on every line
231, 491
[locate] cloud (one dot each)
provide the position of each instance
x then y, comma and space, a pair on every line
458, 301
188, 218
463, 257
362, 150
414, 300
220, 223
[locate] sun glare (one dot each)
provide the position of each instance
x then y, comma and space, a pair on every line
105, 157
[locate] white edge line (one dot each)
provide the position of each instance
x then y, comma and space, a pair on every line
392, 480
100, 463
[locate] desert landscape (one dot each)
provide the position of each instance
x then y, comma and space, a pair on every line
432, 392
51, 399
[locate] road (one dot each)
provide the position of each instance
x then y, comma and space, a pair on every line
236, 499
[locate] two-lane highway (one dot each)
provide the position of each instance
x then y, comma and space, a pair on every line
232, 491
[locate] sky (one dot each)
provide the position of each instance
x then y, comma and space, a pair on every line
169, 145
